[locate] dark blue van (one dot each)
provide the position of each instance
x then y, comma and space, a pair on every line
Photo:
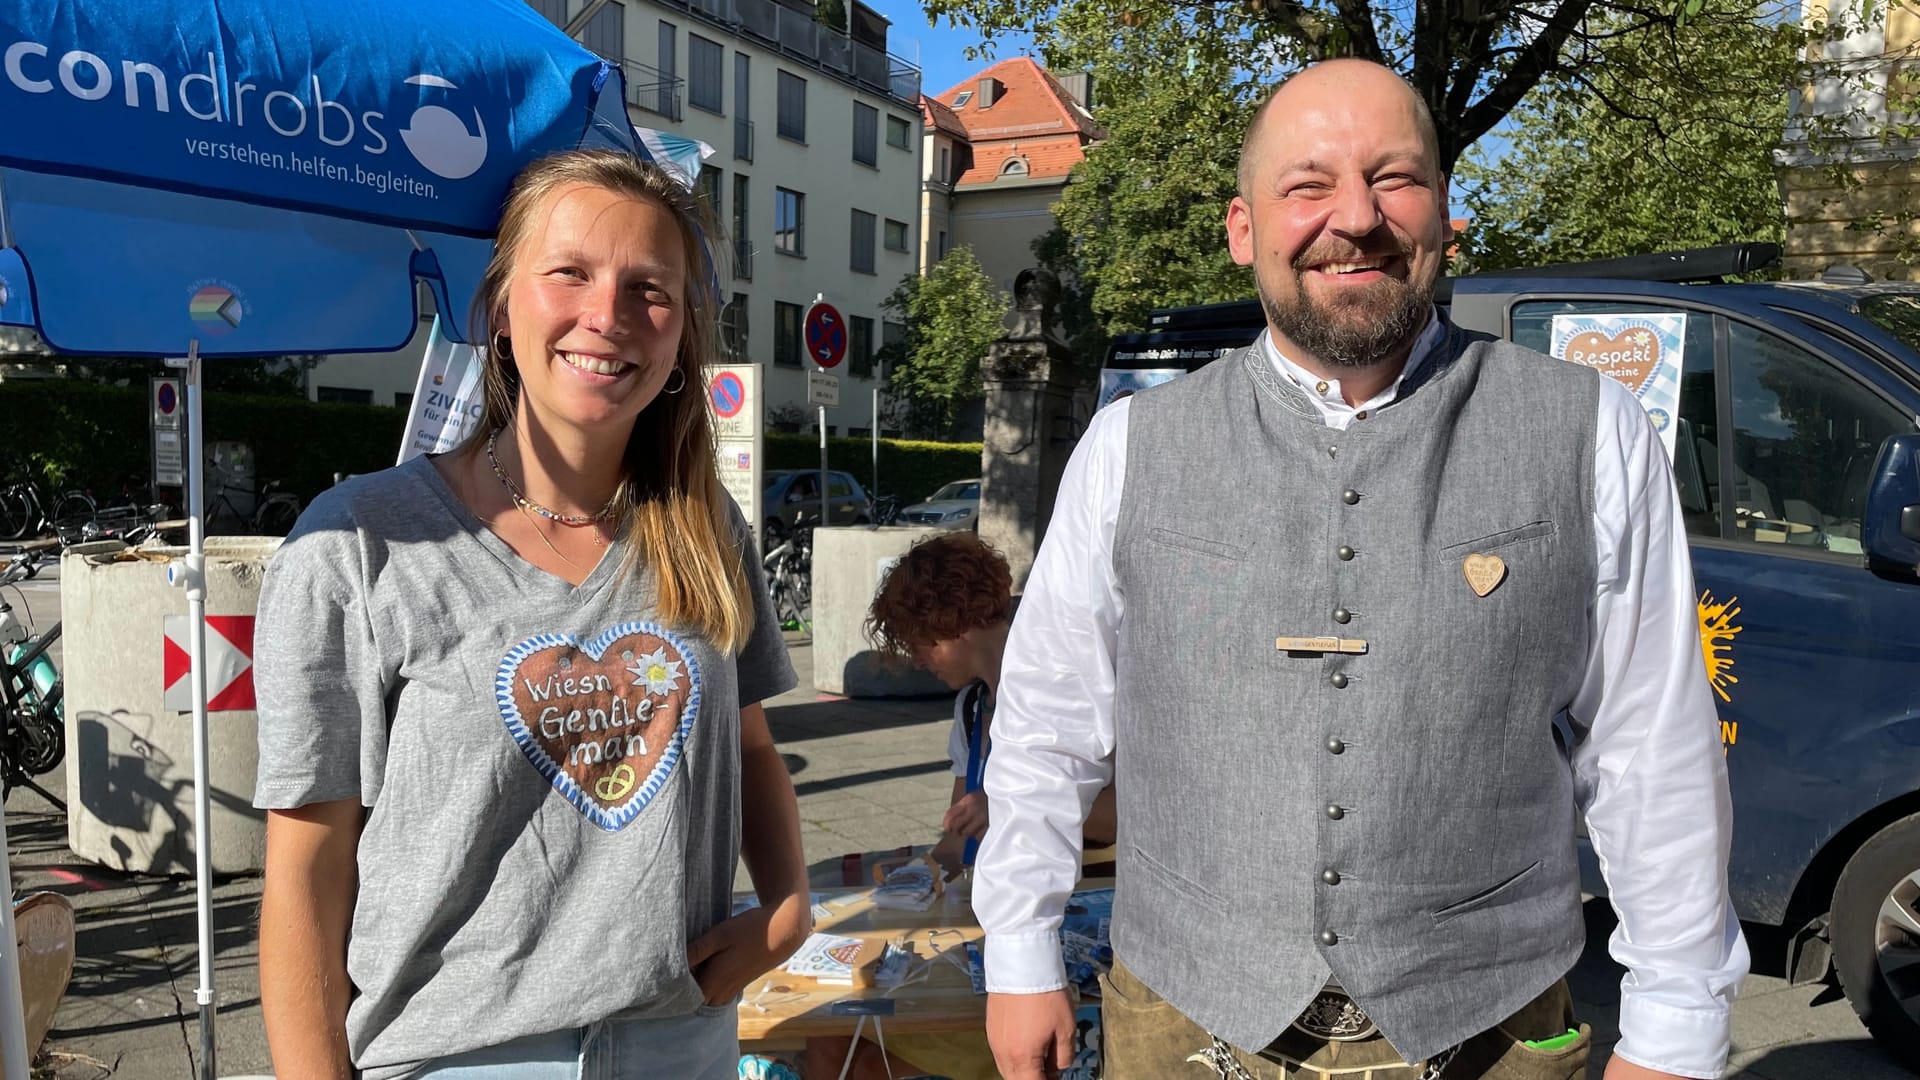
1797, 458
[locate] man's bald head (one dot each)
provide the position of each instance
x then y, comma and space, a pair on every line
1310, 83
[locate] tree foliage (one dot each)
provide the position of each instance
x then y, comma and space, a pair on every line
1140, 226
1472, 61
952, 315
1666, 144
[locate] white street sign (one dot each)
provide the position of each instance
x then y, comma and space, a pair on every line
823, 389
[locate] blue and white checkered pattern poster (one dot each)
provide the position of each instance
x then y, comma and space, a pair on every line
1641, 351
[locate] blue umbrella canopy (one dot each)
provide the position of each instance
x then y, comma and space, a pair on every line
265, 176
210, 178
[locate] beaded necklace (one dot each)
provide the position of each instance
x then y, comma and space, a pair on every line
524, 503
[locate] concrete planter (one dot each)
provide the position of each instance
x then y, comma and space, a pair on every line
129, 757
847, 565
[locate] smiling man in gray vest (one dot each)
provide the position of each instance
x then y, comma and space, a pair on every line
1361, 616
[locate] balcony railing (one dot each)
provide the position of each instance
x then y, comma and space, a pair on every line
795, 33
743, 140
652, 89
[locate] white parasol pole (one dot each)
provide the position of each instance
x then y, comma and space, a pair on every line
13, 1023
193, 577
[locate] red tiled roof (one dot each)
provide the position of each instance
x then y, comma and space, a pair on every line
1047, 157
1032, 104
939, 116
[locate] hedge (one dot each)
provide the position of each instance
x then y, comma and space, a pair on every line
67, 433
909, 468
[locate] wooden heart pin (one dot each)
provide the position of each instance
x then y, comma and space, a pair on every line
1484, 573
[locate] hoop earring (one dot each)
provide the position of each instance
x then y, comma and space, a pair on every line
503, 345
682, 385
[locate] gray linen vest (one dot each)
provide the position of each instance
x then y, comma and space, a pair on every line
1403, 819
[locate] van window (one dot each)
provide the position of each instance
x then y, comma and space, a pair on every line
1695, 464
1805, 437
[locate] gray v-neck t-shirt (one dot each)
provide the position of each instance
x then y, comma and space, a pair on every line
552, 776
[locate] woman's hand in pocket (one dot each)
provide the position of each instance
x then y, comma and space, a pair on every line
741, 949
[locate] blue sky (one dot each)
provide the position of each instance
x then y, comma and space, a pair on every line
941, 55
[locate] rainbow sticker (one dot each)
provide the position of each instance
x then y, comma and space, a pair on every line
215, 309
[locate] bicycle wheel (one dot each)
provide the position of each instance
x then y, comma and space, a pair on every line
276, 517
74, 505
16, 516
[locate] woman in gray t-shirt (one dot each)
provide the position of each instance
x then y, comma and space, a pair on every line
510, 741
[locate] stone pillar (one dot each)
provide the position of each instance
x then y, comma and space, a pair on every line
1030, 429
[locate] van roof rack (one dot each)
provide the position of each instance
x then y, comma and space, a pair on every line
1708, 265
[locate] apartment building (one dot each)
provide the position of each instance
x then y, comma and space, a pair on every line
999, 148
815, 177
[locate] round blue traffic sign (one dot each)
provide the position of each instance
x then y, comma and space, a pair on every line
729, 395
826, 334
167, 398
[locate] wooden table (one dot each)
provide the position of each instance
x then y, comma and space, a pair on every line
782, 1011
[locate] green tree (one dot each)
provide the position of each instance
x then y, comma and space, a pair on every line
951, 315
1668, 144
1472, 61
1140, 226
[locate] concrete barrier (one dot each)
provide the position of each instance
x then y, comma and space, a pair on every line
129, 756
847, 565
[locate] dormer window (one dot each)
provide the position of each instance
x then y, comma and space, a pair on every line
1014, 167
965, 96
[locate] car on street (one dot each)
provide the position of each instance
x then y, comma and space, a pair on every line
1796, 454
954, 506
789, 494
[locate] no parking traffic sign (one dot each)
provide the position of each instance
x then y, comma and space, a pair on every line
728, 394
826, 334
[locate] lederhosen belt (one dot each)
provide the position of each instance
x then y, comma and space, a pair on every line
1334, 1016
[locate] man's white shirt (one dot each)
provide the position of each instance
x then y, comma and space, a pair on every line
1648, 770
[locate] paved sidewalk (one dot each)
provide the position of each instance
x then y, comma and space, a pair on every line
871, 775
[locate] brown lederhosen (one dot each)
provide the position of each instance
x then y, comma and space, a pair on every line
1145, 1038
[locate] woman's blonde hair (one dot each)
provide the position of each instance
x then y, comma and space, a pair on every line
671, 496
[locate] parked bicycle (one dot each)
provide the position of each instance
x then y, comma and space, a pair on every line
273, 514
789, 570
25, 514
33, 730
886, 510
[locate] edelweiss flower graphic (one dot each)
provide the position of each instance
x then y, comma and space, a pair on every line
661, 676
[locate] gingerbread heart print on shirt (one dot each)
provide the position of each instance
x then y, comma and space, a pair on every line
604, 721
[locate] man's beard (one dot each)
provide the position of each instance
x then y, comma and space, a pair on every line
1359, 329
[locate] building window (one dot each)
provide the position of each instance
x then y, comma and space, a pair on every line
1014, 167
786, 334
866, 134
940, 251
403, 399
942, 176
789, 221
742, 126
899, 132
345, 395
708, 188
733, 329
965, 96
704, 61
742, 246
793, 107
606, 34
554, 11
669, 91
896, 235
860, 255
860, 348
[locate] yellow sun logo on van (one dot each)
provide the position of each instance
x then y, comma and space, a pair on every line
1717, 631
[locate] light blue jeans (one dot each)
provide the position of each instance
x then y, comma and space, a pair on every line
703, 1045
